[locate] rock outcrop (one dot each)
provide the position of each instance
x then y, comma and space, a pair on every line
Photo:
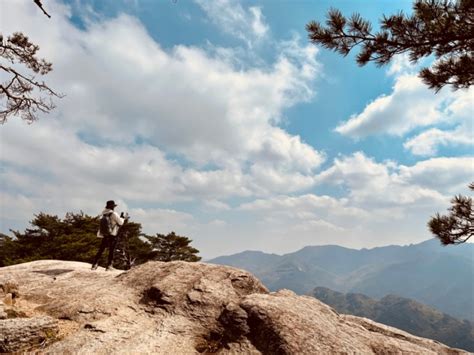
184, 308
25, 333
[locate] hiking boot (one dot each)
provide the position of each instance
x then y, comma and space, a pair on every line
94, 267
110, 268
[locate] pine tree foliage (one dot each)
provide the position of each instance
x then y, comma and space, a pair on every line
75, 238
458, 226
172, 247
132, 249
21, 93
440, 28
52, 238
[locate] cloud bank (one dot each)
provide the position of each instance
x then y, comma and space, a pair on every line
190, 141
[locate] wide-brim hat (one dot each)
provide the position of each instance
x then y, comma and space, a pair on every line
110, 204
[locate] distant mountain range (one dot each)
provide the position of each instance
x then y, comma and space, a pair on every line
441, 277
403, 313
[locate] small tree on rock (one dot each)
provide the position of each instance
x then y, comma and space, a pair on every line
131, 249
172, 247
74, 238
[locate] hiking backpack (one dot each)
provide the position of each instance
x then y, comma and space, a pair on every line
105, 227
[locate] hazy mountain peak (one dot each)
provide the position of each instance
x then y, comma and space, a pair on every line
441, 277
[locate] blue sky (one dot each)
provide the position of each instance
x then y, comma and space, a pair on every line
220, 121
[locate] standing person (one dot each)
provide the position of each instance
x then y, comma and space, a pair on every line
108, 232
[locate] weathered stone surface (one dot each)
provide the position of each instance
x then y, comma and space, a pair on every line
20, 334
8, 285
3, 314
284, 323
8, 299
189, 308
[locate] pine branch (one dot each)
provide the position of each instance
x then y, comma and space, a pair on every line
440, 28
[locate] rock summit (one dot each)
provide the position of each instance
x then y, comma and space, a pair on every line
178, 308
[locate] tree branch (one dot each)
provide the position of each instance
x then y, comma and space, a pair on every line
40, 5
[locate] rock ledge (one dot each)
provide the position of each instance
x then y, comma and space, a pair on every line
184, 308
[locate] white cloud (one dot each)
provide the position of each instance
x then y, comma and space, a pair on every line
156, 220
377, 203
54, 163
427, 142
247, 24
221, 111
307, 207
121, 85
259, 27
445, 117
460, 112
207, 128
14, 206
447, 175
380, 185
410, 105
216, 205
267, 179
278, 148
401, 64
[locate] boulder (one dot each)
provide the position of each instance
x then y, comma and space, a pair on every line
284, 323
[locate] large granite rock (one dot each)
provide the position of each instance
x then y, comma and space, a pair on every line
189, 308
25, 333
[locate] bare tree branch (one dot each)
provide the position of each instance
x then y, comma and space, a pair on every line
40, 5
21, 94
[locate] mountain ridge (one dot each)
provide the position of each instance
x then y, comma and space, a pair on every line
403, 313
438, 276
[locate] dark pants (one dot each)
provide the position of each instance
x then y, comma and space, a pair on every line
111, 243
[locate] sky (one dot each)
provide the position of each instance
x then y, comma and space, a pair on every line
220, 121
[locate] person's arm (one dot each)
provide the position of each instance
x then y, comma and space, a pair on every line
118, 220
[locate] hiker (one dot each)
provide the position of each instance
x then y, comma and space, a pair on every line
110, 223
